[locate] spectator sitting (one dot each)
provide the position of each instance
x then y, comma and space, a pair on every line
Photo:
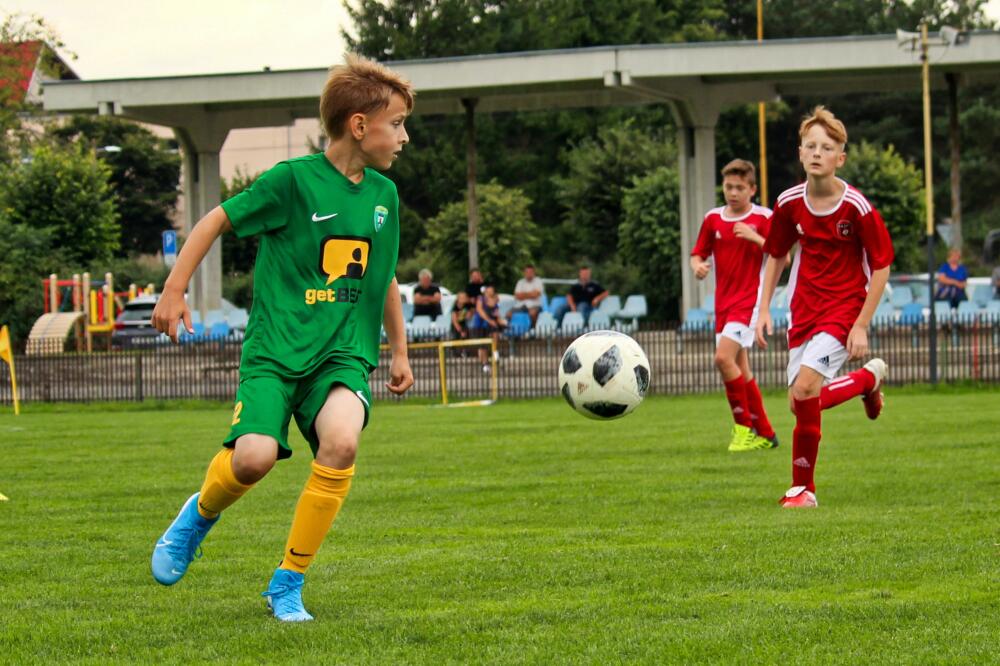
487, 320
426, 296
475, 287
464, 307
528, 292
952, 277
583, 296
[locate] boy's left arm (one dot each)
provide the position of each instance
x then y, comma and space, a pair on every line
857, 339
400, 374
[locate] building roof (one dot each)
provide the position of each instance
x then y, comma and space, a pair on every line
23, 68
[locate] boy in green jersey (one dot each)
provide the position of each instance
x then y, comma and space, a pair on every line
324, 280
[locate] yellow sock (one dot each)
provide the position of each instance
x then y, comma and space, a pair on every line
318, 506
221, 488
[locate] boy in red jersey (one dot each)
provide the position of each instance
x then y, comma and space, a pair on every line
836, 282
733, 236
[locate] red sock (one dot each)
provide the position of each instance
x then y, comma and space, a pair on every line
757, 414
805, 442
736, 394
844, 388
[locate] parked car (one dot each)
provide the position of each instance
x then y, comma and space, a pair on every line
133, 324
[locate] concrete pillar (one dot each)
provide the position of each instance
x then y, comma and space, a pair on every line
696, 166
201, 142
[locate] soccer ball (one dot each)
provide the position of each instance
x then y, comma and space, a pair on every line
604, 375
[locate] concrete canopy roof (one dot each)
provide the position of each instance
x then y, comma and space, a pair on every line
727, 72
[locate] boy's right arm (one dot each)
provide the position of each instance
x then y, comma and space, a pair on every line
772, 271
700, 267
172, 308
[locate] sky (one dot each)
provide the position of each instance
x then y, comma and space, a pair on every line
125, 38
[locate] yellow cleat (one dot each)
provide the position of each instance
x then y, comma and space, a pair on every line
742, 439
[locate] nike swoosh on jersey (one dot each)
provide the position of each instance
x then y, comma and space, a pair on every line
319, 218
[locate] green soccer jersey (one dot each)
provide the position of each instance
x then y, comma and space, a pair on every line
328, 251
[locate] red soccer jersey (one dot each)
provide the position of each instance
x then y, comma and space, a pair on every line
839, 249
738, 263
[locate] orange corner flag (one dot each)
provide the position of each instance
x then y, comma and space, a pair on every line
7, 355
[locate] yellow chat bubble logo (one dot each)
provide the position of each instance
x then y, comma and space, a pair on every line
344, 256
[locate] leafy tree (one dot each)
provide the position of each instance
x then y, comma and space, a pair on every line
238, 254
145, 171
599, 170
65, 191
895, 188
28, 256
980, 122
650, 237
508, 237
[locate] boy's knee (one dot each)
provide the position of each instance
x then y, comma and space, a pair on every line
802, 390
337, 449
254, 457
723, 361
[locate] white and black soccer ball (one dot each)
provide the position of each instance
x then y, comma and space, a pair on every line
604, 375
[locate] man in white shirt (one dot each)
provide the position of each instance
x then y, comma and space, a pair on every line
528, 292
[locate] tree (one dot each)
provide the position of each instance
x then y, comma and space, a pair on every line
508, 236
145, 171
599, 170
650, 237
64, 191
895, 188
28, 257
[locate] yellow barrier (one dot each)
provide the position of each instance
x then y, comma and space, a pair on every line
446, 344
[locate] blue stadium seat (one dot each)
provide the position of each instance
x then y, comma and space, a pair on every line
610, 305
545, 325
213, 317
696, 320
219, 330
599, 321
407, 311
912, 313
572, 324
448, 304
993, 306
442, 325
708, 305
556, 303
196, 317
520, 323
779, 316
238, 318
635, 308
885, 314
982, 294
506, 304
901, 295
421, 326
942, 310
969, 310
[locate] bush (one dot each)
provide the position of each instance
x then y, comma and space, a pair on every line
895, 188
650, 238
27, 258
508, 237
65, 191
599, 172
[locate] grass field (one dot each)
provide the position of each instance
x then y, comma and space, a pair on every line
519, 533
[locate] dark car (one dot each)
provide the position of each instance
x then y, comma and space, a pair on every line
133, 326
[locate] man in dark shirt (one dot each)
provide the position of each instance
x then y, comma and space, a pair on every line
426, 296
585, 295
475, 287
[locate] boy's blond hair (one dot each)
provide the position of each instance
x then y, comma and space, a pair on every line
823, 117
359, 86
742, 169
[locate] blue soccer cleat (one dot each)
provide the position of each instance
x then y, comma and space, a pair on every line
179, 544
284, 596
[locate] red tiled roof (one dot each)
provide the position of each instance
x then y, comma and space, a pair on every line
17, 65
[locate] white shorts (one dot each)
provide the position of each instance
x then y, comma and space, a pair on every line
822, 352
739, 333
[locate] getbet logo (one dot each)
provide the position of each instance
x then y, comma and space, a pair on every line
340, 257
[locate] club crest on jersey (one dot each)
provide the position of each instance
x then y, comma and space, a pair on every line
844, 228
798, 228
381, 213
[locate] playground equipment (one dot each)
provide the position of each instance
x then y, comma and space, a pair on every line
85, 307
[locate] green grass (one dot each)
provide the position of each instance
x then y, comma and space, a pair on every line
519, 533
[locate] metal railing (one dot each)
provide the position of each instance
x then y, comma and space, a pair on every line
681, 361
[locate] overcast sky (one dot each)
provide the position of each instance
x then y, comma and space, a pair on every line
122, 38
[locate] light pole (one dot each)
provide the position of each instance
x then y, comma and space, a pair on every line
949, 37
